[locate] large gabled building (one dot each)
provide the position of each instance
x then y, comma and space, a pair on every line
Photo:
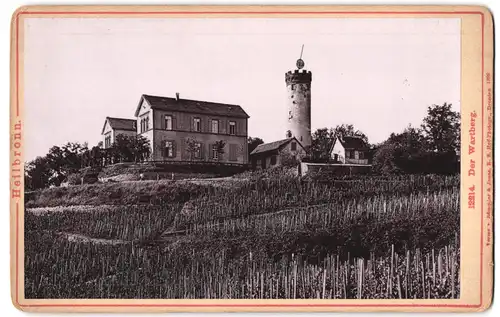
189, 130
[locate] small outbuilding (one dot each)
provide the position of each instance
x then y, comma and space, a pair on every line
273, 154
350, 150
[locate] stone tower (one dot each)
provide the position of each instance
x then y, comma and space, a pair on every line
298, 86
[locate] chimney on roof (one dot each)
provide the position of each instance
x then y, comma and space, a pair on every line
177, 96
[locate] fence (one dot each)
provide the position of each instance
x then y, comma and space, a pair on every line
334, 169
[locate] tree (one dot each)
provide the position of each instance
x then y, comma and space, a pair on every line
253, 143
441, 129
192, 146
402, 153
64, 161
348, 130
321, 145
140, 148
219, 148
96, 156
37, 173
122, 148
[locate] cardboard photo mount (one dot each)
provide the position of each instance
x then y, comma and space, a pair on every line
476, 266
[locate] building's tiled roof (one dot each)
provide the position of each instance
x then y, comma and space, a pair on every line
351, 142
120, 124
276, 145
193, 106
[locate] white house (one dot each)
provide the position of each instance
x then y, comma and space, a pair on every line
350, 150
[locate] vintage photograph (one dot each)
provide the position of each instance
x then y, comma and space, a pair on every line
242, 158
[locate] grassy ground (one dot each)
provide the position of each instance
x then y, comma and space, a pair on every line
257, 236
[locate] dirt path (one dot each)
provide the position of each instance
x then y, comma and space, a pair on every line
80, 238
38, 211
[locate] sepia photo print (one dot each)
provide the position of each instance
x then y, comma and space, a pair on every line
243, 157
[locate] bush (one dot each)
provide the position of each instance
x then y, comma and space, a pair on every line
288, 160
89, 177
74, 179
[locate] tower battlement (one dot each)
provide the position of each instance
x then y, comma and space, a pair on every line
298, 77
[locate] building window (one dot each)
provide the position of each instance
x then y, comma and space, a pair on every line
361, 155
107, 141
215, 126
293, 86
356, 155
144, 124
232, 152
197, 124
197, 151
273, 160
169, 149
294, 146
232, 127
168, 122
215, 153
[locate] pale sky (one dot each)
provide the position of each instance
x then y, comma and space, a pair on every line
378, 74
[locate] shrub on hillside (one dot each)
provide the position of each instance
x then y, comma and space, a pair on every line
288, 160
82, 178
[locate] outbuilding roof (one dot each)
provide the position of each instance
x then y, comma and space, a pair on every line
273, 146
352, 142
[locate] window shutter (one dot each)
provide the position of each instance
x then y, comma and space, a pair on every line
202, 151
232, 152
184, 154
174, 149
163, 149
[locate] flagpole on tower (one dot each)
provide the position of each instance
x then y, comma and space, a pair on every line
300, 62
